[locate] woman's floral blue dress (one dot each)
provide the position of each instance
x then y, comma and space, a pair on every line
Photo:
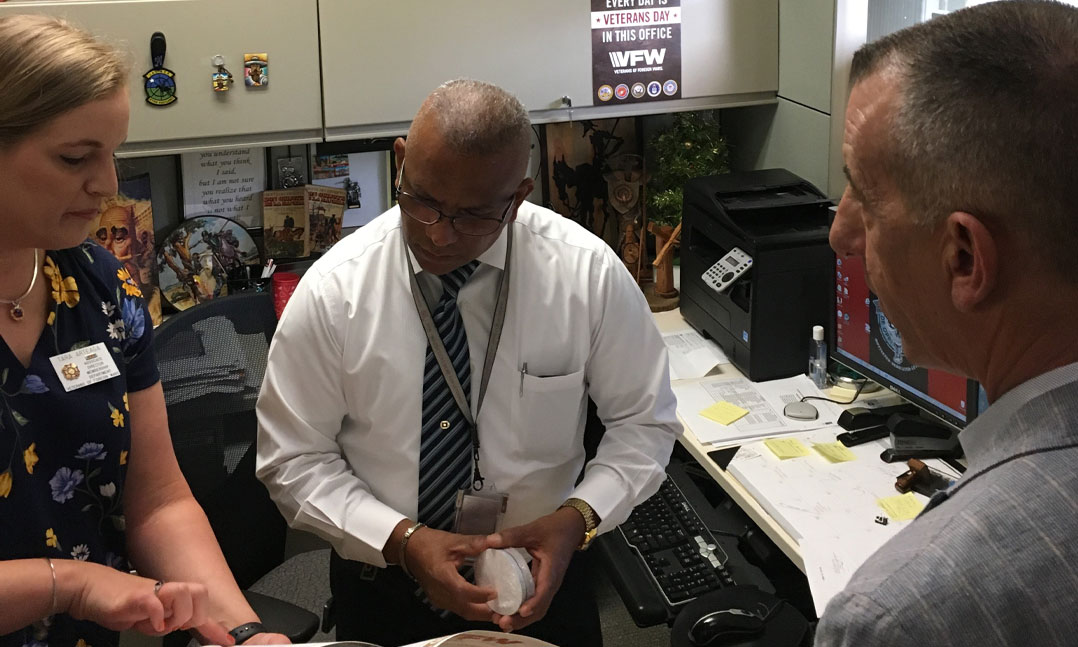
63, 456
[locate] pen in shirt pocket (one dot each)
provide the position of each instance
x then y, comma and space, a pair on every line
523, 372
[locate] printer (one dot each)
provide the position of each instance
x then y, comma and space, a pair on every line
756, 267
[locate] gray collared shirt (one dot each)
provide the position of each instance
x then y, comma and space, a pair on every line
995, 562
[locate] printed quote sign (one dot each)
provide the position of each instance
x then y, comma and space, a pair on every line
636, 50
225, 183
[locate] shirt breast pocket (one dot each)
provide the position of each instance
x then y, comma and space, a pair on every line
550, 414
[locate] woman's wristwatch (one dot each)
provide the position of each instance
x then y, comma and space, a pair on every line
245, 631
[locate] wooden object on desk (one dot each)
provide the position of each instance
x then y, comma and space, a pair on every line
661, 294
665, 239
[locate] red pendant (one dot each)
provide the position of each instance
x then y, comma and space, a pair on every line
16, 312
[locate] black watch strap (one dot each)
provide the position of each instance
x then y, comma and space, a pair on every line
245, 631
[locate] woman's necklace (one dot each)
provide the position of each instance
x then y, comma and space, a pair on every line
16, 311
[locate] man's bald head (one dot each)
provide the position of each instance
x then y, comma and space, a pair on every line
474, 118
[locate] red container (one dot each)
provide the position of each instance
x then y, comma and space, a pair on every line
284, 284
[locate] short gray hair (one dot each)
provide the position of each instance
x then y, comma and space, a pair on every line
477, 118
48, 67
988, 120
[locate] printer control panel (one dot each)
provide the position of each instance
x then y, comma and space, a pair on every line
726, 270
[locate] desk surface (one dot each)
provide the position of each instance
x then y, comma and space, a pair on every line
672, 320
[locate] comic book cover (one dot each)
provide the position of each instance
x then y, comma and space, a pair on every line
285, 223
325, 210
124, 226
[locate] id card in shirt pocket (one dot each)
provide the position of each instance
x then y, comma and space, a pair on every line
550, 410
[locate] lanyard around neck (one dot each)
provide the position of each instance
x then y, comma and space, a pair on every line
446, 364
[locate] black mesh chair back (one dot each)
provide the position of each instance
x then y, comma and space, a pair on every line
212, 358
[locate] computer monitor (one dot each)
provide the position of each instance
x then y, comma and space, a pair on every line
866, 342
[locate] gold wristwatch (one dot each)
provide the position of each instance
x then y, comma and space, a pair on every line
591, 520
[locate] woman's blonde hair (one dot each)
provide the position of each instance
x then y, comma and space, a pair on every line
48, 67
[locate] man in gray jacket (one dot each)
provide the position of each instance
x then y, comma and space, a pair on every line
961, 147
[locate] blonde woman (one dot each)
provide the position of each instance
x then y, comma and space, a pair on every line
89, 485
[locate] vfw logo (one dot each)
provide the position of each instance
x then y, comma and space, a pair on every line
634, 57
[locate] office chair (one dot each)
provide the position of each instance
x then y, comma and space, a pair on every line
212, 358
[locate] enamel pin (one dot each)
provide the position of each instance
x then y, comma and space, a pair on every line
256, 70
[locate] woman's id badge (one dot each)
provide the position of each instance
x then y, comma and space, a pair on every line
85, 366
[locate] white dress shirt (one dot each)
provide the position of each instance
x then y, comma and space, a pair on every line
339, 414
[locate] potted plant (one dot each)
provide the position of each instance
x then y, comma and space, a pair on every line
692, 146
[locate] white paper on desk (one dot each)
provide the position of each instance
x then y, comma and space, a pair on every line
690, 354
829, 508
831, 560
764, 401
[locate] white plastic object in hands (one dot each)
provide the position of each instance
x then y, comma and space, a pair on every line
506, 571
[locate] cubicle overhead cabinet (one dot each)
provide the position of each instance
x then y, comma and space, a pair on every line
380, 59
286, 110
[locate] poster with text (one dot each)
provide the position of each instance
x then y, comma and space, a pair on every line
635, 50
225, 183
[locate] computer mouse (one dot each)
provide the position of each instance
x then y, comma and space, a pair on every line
711, 629
800, 411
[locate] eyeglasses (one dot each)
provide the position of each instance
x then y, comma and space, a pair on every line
420, 211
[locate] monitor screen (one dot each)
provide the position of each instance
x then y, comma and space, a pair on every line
865, 341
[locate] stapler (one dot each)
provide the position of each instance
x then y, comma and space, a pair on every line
856, 418
915, 437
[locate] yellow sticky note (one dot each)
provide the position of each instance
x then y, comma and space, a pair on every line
786, 447
902, 507
724, 413
835, 452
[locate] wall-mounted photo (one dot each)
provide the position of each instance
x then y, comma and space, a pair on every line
364, 170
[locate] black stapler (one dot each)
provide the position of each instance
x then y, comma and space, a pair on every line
915, 437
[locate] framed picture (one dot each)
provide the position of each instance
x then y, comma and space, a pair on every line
363, 169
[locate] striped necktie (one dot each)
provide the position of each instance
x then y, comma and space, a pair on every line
445, 453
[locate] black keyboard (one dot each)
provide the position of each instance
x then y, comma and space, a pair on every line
681, 555
663, 556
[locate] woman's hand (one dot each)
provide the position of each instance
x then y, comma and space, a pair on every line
119, 601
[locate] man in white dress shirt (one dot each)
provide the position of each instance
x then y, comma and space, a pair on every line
341, 408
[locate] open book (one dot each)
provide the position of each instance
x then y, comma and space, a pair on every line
480, 638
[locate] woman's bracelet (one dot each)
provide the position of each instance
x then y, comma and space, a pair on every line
52, 569
404, 544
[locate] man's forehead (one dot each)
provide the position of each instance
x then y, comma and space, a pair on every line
867, 132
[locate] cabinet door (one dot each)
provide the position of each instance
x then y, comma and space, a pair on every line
380, 59
286, 110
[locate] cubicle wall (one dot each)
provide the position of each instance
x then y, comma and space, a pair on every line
287, 110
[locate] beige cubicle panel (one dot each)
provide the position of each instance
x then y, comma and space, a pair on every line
380, 59
287, 110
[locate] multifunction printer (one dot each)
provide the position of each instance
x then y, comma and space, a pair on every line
756, 267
